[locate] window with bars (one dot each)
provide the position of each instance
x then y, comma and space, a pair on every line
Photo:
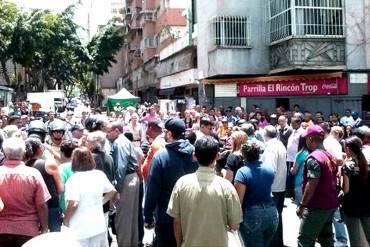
231, 31
312, 18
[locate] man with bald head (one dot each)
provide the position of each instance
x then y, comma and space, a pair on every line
275, 155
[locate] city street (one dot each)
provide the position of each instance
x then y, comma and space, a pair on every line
216, 107
290, 223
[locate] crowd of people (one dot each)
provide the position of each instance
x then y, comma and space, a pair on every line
192, 176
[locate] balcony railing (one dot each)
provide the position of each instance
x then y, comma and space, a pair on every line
305, 18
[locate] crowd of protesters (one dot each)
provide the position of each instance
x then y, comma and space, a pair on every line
192, 176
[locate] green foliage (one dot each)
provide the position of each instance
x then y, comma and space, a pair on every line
8, 19
104, 46
46, 44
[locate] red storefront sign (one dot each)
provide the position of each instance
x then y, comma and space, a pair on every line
294, 87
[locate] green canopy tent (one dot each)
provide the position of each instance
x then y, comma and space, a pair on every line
120, 100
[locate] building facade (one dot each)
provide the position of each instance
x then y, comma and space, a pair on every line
315, 53
150, 26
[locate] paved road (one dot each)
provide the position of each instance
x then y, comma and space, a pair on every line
290, 222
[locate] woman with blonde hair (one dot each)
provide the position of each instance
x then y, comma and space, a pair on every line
235, 158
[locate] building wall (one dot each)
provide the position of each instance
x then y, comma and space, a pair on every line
213, 62
358, 34
108, 80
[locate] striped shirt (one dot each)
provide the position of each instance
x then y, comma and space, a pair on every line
22, 188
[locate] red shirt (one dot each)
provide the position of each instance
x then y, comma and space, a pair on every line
22, 188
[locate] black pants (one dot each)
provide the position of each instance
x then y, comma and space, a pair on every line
13, 240
289, 181
164, 235
277, 240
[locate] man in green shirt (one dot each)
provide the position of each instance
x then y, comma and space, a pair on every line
204, 206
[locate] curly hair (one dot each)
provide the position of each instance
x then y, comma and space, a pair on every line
251, 151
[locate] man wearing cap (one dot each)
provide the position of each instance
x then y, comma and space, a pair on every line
357, 121
77, 131
274, 120
167, 166
155, 133
319, 199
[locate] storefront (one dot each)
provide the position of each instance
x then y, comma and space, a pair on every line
326, 92
181, 87
318, 92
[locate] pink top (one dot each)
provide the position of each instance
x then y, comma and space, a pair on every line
22, 188
149, 117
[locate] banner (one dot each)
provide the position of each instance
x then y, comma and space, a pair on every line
286, 88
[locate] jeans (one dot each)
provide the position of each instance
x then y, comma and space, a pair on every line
297, 194
164, 235
355, 227
259, 225
316, 224
277, 240
54, 219
340, 229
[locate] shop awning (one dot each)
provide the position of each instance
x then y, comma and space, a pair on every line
319, 76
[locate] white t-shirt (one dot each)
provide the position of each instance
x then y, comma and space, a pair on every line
292, 146
333, 147
87, 188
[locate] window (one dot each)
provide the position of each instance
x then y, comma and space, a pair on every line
313, 18
231, 31
150, 42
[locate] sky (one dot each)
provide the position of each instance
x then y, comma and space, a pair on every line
99, 11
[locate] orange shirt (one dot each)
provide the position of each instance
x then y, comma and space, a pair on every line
157, 144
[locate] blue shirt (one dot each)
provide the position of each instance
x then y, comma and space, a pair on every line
299, 159
258, 178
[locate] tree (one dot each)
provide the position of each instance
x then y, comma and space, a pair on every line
46, 44
104, 46
102, 49
8, 20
